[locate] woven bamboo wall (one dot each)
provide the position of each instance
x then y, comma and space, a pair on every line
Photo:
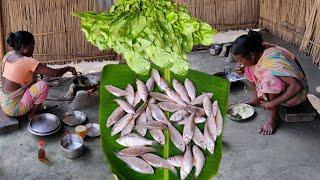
297, 21
225, 14
57, 34
59, 39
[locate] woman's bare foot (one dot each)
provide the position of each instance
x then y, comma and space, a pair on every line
269, 127
253, 102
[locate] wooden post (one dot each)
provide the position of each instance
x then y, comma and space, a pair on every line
2, 45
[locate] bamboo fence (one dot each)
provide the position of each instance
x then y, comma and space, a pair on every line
59, 39
297, 21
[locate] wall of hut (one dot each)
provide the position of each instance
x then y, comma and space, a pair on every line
58, 36
296, 21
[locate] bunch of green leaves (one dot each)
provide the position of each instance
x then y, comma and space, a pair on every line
145, 31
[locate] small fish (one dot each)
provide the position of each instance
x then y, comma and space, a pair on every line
156, 76
187, 163
199, 160
152, 125
130, 95
170, 106
157, 113
142, 90
188, 129
199, 111
152, 101
181, 90
125, 106
140, 110
212, 126
136, 151
159, 96
115, 116
190, 89
215, 108
150, 84
198, 100
137, 164
207, 106
219, 122
208, 139
158, 162
115, 91
149, 114
199, 139
175, 160
158, 136
197, 120
121, 124
176, 137
129, 127
137, 99
141, 120
174, 96
134, 139
163, 85
179, 115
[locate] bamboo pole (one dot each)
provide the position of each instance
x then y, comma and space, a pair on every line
2, 45
310, 26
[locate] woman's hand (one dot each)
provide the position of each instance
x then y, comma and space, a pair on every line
72, 70
269, 105
239, 69
254, 101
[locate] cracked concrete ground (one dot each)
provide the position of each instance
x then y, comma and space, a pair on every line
292, 153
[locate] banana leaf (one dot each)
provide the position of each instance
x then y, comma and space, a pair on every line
120, 76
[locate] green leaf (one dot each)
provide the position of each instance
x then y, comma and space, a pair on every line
180, 66
172, 17
137, 62
120, 76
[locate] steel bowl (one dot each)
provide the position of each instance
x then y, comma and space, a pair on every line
74, 118
72, 146
93, 129
44, 123
215, 49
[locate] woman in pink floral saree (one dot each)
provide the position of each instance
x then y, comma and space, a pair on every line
274, 73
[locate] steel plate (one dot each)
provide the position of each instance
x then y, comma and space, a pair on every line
44, 123
74, 118
44, 134
239, 112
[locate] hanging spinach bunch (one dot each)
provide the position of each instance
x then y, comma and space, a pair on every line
145, 31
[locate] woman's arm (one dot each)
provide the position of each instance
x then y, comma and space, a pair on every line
44, 70
293, 87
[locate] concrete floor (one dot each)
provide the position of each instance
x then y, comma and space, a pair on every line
292, 153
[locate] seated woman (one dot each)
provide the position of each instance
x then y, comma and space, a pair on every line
275, 76
20, 92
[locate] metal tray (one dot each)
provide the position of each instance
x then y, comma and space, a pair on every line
44, 134
44, 123
93, 129
74, 118
239, 112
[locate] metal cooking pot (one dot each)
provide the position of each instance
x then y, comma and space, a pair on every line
72, 146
